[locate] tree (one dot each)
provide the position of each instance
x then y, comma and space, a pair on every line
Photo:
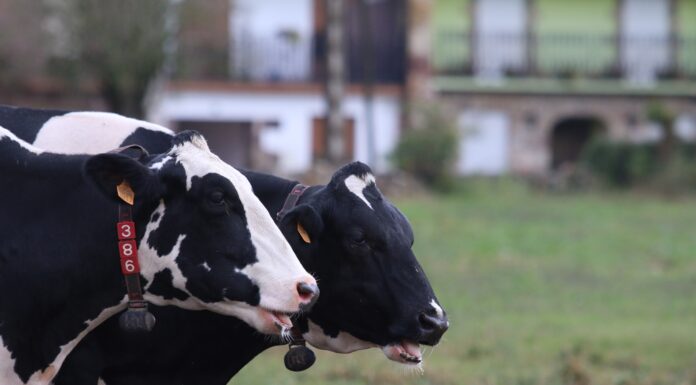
120, 43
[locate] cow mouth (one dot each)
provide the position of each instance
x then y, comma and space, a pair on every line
280, 319
406, 352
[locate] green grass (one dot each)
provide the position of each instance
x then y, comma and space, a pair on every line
541, 289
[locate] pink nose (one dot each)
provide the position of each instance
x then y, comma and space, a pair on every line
308, 292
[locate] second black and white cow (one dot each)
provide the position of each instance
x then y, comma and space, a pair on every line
204, 240
374, 293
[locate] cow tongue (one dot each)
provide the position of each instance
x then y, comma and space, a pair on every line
406, 352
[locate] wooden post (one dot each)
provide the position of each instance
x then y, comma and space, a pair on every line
335, 146
418, 78
531, 37
674, 37
618, 37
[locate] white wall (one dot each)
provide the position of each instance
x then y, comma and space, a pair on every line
291, 140
484, 143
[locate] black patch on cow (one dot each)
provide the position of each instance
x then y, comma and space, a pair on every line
164, 237
220, 237
162, 285
156, 142
26, 122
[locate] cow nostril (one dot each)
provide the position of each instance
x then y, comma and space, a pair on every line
427, 322
307, 291
432, 328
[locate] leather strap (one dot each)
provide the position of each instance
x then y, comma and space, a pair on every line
129, 257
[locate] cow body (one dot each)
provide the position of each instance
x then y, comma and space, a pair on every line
374, 293
59, 271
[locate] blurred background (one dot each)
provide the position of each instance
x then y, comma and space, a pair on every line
544, 150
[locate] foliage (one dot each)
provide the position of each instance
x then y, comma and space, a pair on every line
624, 165
540, 290
620, 164
429, 149
658, 113
120, 43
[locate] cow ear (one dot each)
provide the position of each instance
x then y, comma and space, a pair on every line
305, 222
109, 171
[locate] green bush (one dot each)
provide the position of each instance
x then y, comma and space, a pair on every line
640, 165
428, 151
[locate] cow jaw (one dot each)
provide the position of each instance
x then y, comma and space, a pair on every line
406, 352
269, 321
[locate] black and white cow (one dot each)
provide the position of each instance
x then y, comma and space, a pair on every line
205, 243
374, 293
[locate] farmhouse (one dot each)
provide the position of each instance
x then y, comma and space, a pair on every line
529, 82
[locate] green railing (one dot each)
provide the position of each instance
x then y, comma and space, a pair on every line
564, 56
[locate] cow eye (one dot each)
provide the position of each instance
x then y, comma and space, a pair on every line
217, 197
359, 240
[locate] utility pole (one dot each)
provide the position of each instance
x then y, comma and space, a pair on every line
335, 147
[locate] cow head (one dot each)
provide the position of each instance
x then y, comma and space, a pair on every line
205, 240
374, 292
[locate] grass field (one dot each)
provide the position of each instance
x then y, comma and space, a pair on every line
541, 289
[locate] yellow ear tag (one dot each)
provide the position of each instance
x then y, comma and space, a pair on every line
125, 192
303, 233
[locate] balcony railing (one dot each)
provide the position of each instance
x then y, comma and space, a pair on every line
565, 56
288, 58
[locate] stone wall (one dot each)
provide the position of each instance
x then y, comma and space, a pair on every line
533, 117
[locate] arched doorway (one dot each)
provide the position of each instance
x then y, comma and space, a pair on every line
569, 136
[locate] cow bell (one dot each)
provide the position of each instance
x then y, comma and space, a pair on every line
299, 358
136, 320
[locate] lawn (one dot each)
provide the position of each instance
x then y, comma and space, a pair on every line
541, 289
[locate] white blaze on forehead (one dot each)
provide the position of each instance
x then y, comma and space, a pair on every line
67, 134
438, 309
277, 270
356, 185
5, 133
